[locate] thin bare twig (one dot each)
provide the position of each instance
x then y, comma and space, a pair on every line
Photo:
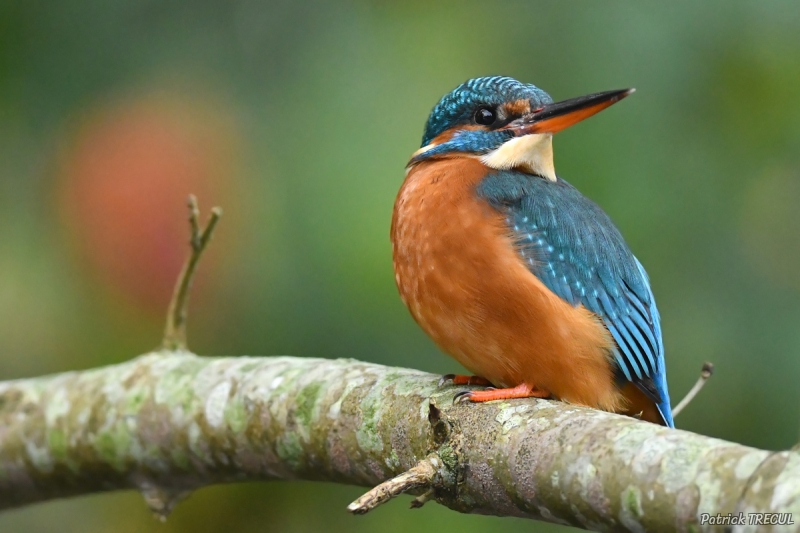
175, 331
706, 372
419, 476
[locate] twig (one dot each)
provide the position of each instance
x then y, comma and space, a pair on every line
706, 372
175, 331
419, 476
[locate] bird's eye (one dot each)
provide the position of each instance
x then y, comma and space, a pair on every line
485, 116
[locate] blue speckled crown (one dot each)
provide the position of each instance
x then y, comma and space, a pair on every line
458, 106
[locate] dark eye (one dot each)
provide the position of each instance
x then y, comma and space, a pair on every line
485, 116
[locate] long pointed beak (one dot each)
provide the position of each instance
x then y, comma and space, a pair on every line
553, 118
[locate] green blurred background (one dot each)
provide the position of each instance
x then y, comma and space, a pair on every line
297, 117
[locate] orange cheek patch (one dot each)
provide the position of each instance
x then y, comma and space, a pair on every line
444, 137
447, 135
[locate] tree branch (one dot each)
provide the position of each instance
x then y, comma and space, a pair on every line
168, 423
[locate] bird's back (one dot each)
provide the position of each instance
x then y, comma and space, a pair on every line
573, 247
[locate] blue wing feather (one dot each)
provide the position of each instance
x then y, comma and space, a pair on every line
572, 246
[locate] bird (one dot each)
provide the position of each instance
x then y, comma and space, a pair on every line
513, 272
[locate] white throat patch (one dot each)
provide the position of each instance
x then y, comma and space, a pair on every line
532, 153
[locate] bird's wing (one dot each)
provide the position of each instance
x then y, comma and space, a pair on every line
572, 246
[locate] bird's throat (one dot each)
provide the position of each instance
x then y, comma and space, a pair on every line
530, 153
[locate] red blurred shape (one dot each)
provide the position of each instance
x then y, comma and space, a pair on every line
124, 180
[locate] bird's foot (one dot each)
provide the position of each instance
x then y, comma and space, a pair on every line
458, 379
520, 391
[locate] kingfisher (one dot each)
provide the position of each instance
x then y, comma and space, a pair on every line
513, 272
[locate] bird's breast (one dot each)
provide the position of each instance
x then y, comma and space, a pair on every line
461, 276
443, 238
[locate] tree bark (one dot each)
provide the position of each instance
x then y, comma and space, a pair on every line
167, 423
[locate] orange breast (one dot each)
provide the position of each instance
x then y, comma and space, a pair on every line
465, 284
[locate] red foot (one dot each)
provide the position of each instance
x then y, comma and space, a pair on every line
458, 379
520, 391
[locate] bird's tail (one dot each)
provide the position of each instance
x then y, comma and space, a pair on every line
664, 407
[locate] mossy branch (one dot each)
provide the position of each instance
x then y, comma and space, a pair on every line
168, 423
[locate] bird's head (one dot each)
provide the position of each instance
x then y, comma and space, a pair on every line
505, 123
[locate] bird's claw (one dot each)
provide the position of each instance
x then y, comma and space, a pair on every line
466, 395
444, 379
461, 397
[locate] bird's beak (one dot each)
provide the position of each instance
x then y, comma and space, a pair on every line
553, 118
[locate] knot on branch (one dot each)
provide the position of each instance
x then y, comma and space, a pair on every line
161, 500
439, 471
